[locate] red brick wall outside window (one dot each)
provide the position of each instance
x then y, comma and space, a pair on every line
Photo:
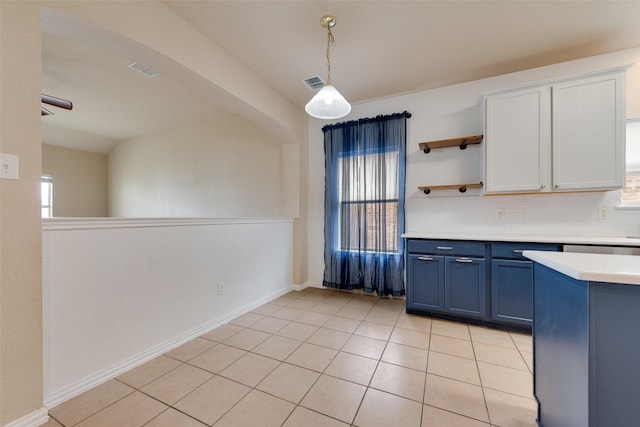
631, 193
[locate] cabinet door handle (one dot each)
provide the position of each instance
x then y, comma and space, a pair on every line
444, 248
467, 260
425, 258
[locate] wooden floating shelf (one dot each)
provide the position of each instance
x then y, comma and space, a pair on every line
460, 187
463, 142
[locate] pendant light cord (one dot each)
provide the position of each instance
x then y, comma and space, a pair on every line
330, 41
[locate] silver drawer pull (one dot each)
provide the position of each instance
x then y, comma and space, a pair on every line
425, 258
464, 260
518, 251
444, 248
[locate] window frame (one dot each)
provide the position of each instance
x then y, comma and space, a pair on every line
342, 202
48, 181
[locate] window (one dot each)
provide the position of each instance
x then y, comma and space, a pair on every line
630, 195
361, 203
46, 195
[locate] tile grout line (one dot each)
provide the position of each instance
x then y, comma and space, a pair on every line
426, 374
484, 396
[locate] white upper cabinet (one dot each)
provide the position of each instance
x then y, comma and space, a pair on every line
566, 135
518, 131
589, 133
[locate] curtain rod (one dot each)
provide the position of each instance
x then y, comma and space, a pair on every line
367, 120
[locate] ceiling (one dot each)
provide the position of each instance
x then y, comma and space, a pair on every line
382, 48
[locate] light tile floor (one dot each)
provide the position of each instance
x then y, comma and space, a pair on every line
323, 358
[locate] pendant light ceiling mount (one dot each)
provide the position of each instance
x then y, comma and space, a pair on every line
328, 21
328, 103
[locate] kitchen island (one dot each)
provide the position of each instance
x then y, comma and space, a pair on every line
586, 334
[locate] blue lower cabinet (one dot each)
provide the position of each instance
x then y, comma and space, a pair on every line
425, 290
488, 283
447, 284
465, 292
512, 291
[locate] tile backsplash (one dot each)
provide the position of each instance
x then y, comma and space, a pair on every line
573, 214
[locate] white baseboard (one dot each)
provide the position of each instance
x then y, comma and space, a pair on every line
53, 399
34, 419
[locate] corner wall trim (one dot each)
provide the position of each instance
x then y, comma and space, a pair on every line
34, 419
300, 287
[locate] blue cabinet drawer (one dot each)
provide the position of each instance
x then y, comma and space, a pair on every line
446, 247
514, 250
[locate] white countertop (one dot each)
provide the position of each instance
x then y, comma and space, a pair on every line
591, 267
531, 238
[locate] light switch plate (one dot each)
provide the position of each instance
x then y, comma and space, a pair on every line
8, 166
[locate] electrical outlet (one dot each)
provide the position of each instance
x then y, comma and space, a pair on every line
500, 212
220, 289
603, 212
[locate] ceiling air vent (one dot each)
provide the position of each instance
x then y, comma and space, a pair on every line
314, 82
147, 71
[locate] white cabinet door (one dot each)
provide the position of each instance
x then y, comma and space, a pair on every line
517, 138
589, 133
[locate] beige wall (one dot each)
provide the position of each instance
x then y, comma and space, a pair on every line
20, 233
79, 181
222, 168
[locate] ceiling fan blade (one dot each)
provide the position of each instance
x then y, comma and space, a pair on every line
45, 112
57, 102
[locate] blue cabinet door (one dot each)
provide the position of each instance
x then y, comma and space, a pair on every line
425, 282
466, 286
512, 291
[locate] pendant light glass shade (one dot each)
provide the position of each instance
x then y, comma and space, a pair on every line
328, 104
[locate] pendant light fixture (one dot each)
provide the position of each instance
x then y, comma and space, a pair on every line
328, 103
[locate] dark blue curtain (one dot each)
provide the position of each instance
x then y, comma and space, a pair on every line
364, 204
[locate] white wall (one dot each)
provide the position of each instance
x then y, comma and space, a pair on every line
118, 292
454, 111
227, 167
191, 59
